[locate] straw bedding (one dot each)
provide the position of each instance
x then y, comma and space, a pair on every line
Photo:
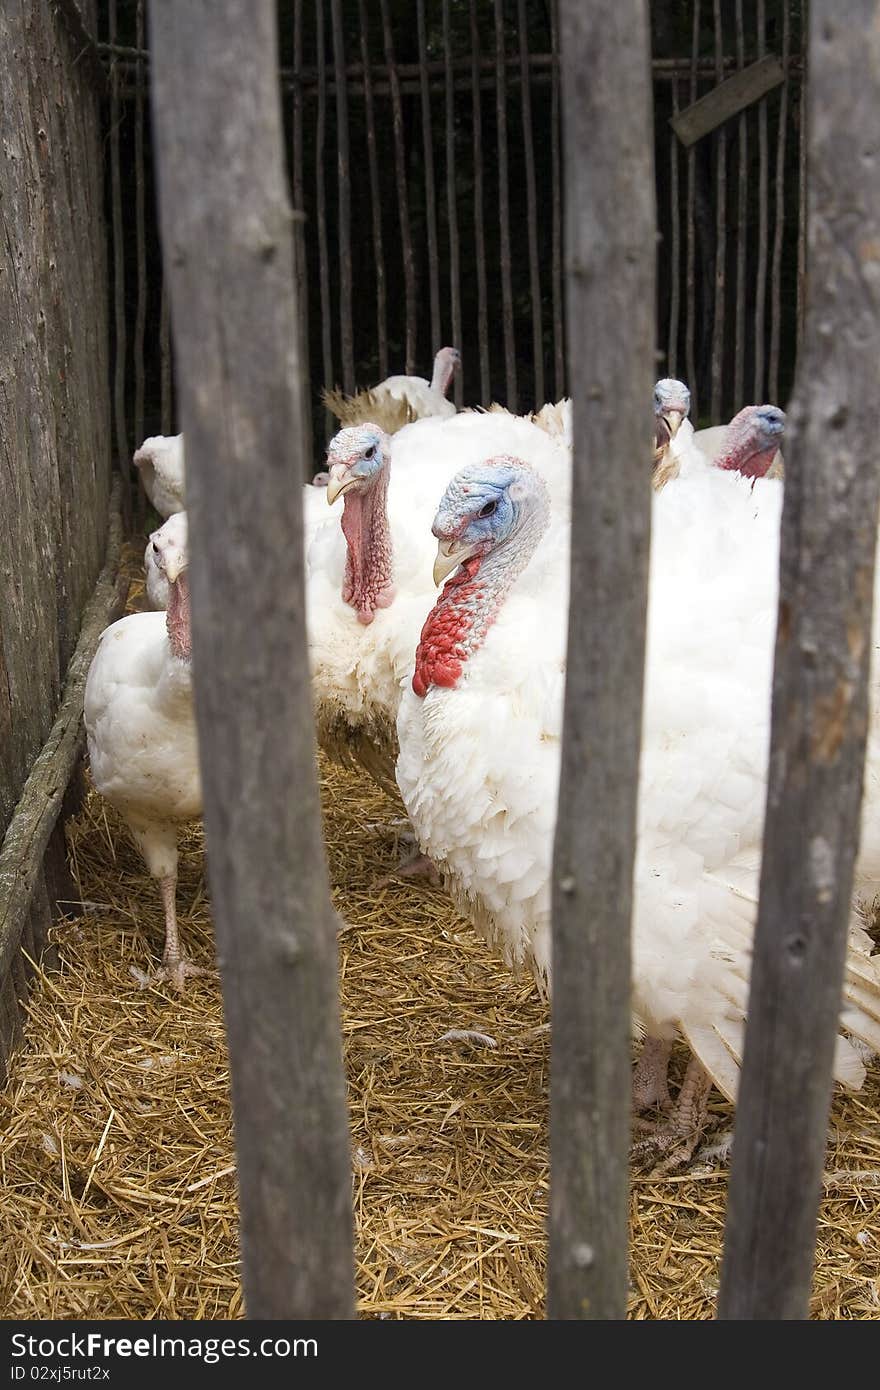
119, 1196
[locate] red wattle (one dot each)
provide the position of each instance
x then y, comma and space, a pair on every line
440, 655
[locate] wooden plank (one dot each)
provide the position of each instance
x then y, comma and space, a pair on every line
343, 206
742, 223
730, 97
820, 695
763, 219
227, 243
25, 841
610, 278
556, 208
375, 196
140, 323
691, 224
505, 253
531, 209
406, 243
321, 208
452, 206
779, 216
720, 303
301, 262
123, 444
479, 213
430, 183
54, 429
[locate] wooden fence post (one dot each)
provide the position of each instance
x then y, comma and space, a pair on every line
226, 230
820, 690
609, 260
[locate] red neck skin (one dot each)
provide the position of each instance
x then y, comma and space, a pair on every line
741, 453
750, 465
177, 618
367, 583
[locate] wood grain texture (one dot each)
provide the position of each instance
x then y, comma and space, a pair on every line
609, 266
820, 701
54, 426
23, 849
728, 99
226, 234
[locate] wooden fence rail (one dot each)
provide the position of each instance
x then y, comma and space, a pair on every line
609, 280
226, 232
820, 692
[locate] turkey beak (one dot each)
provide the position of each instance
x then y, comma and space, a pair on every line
673, 420
174, 565
450, 555
338, 484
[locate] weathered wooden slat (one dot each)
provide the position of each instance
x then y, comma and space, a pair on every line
802, 191
779, 217
301, 264
610, 279
452, 207
720, 306
321, 214
140, 322
763, 217
730, 97
505, 255
531, 208
820, 693
406, 243
742, 214
674, 250
24, 845
375, 196
691, 263
343, 207
430, 187
228, 254
165, 362
54, 417
556, 208
123, 446
479, 214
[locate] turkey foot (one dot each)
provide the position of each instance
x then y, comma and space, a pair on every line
176, 965
650, 1086
177, 972
415, 865
674, 1139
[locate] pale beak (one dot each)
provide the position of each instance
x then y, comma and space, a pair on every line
450, 555
673, 419
339, 485
174, 564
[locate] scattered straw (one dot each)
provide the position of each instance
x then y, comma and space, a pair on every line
116, 1159
116, 1152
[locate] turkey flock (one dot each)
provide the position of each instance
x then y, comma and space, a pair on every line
437, 572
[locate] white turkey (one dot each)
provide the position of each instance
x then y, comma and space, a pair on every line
750, 443
140, 726
156, 587
716, 442
399, 400
160, 461
479, 735
369, 582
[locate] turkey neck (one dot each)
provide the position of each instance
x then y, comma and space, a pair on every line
367, 585
740, 454
177, 618
444, 371
470, 602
